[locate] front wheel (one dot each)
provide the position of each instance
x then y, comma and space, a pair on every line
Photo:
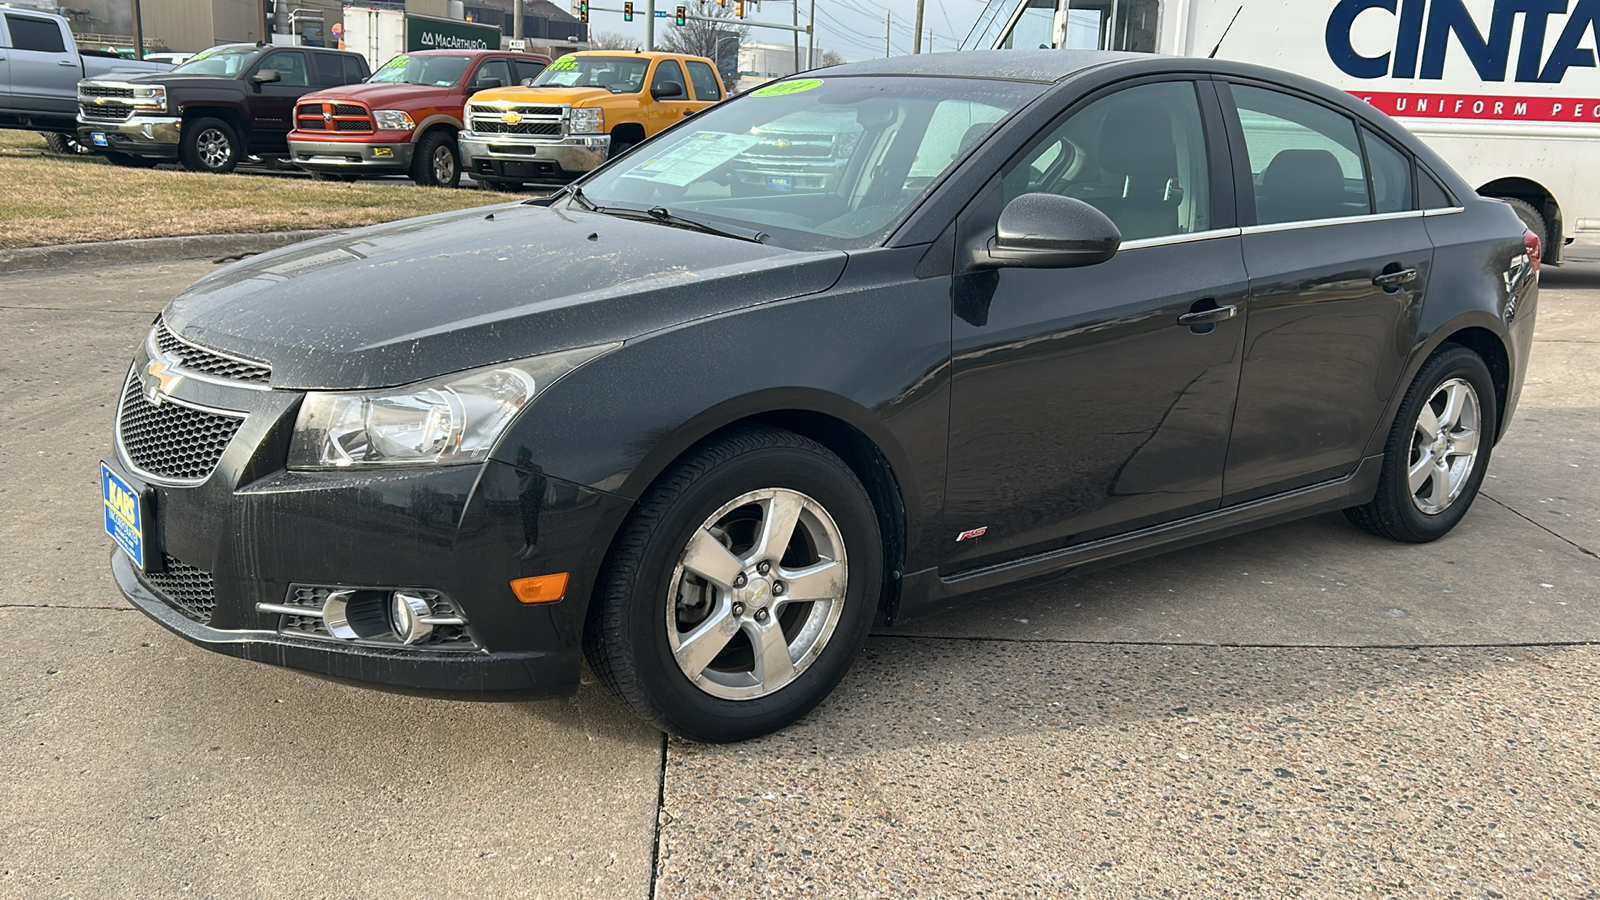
741, 588
434, 164
209, 145
1437, 452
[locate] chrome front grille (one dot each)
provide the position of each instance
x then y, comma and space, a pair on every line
189, 589
540, 121
170, 440
195, 358
104, 90
109, 111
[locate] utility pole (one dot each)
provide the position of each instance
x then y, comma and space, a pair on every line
916, 41
795, 8
888, 22
516, 26
811, 37
138, 31
649, 24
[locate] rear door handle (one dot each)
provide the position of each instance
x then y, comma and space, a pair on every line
1208, 316
65, 62
1395, 279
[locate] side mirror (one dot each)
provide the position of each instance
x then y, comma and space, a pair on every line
666, 90
488, 83
1049, 231
267, 76
528, 82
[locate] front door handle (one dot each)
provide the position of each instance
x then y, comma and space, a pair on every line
1395, 279
1208, 316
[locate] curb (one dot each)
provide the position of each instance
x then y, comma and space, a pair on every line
199, 246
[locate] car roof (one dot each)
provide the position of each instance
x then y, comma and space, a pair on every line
642, 54
1044, 66
473, 51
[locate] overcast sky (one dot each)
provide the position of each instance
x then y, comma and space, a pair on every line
853, 28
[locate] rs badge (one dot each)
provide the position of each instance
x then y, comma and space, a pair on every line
969, 535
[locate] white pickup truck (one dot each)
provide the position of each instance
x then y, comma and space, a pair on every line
40, 67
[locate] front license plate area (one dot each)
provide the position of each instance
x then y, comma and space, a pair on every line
128, 520
99, 138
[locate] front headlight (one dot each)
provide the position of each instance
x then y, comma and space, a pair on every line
586, 121
393, 120
150, 97
448, 420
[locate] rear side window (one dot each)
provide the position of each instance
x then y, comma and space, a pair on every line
28, 33
1391, 175
330, 69
705, 82
354, 72
1430, 193
1305, 159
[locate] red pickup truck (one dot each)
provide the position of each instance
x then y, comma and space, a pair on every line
404, 119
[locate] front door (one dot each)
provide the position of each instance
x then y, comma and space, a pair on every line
1081, 406
44, 71
667, 111
1338, 262
271, 105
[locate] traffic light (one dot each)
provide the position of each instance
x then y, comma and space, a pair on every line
738, 8
583, 10
722, 3
627, 12
683, 15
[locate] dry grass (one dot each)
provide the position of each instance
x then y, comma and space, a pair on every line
51, 199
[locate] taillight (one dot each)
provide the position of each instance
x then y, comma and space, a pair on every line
1533, 247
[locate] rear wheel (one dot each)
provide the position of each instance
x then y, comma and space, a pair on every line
65, 144
1533, 218
209, 145
435, 164
1437, 452
741, 588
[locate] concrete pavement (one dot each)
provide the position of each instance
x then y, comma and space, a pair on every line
1301, 710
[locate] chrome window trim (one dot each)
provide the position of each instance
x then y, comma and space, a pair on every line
1323, 223
1445, 211
1167, 240
121, 445
153, 348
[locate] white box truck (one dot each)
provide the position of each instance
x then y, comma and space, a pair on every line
382, 34
1506, 91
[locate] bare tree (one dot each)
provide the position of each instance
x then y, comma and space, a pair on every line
613, 40
717, 39
829, 58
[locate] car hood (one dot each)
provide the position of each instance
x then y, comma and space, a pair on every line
166, 78
377, 95
576, 96
410, 300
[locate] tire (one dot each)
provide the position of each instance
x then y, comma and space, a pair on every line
1453, 385
209, 145
64, 144
435, 162
127, 161
652, 607
1534, 219
617, 148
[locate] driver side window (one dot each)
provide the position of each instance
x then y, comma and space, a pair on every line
1138, 155
291, 67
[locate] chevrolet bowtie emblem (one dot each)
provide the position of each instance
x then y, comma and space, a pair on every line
511, 118
164, 383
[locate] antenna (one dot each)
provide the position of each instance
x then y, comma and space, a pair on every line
1213, 53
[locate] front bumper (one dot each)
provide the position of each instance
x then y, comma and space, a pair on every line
155, 136
351, 156
520, 158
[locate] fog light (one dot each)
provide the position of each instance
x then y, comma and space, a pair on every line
410, 617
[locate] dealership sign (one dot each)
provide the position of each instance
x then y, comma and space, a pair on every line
429, 33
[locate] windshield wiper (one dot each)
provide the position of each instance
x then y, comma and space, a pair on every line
667, 217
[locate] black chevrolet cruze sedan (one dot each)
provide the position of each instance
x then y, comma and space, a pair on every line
1040, 310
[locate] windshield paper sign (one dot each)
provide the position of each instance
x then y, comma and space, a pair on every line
1510, 42
692, 157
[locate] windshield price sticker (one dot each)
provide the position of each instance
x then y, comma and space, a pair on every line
564, 63
689, 159
787, 87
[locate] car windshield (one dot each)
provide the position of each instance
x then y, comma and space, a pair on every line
436, 71
219, 61
617, 74
812, 162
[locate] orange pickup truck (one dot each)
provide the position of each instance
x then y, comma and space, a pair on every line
584, 108
404, 119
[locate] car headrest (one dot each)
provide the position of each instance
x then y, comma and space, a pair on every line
1136, 140
1307, 181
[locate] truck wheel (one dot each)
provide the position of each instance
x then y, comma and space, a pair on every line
209, 145
434, 164
130, 162
1531, 217
64, 144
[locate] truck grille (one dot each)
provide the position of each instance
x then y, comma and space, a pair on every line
115, 112
170, 440
343, 117
104, 90
195, 358
190, 590
542, 121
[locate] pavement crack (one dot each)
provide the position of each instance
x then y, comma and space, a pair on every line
1564, 539
661, 813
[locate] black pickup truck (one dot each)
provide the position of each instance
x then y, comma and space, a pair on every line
213, 110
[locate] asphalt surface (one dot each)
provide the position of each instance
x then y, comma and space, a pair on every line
1305, 710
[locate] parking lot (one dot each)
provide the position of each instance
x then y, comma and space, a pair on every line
1301, 710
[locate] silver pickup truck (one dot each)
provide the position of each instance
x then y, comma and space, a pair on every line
40, 67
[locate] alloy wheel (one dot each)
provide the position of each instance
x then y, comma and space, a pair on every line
757, 594
214, 148
444, 165
1444, 446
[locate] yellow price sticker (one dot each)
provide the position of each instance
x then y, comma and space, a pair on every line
564, 63
787, 87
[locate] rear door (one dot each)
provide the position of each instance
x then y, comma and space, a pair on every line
707, 89
1338, 258
44, 67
